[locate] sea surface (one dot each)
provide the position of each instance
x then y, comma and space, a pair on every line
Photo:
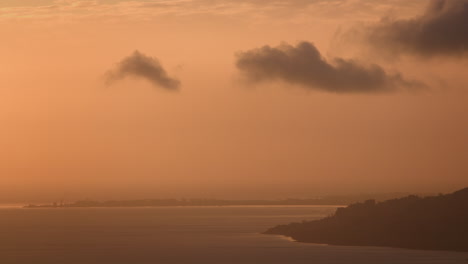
182, 235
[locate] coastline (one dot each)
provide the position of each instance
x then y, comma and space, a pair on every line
291, 239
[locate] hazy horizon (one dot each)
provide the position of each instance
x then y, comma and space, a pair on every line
234, 194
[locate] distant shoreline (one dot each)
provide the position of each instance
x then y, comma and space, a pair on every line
339, 201
169, 206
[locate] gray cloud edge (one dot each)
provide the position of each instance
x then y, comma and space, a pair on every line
304, 65
442, 30
145, 67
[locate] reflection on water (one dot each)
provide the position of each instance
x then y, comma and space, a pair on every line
179, 235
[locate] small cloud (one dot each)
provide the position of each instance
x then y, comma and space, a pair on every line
305, 66
441, 30
141, 66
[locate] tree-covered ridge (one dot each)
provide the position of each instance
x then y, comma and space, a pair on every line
432, 223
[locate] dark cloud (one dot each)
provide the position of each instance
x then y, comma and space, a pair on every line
142, 66
441, 30
304, 65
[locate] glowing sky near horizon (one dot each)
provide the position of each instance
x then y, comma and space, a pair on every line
66, 133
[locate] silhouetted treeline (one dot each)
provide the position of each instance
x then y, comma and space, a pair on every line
329, 200
431, 223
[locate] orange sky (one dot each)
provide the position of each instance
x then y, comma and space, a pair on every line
66, 134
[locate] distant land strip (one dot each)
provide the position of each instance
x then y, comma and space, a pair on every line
328, 200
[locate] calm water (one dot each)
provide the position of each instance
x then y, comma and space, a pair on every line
207, 235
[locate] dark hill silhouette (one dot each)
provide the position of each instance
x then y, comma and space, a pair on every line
430, 223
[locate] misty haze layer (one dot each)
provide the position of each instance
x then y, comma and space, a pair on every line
65, 137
